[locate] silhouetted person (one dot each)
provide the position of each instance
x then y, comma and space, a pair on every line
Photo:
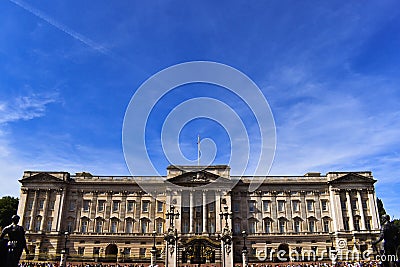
390, 236
16, 242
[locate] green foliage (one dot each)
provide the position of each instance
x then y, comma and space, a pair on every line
381, 209
8, 207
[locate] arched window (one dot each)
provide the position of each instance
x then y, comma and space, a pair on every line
129, 226
282, 225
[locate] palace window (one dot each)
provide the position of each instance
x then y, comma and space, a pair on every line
354, 205
84, 225
296, 206
211, 227
86, 204
70, 226
357, 224
41, 204
145, 206
127, 252
297, 226
364, 204
236, 228
30, 204
281, 205
324, 205
143, 226
311, 226
236, 206
49, 224
114, 225
72, 205
130, 206
368, 224
27, 223
160, 206
129, 226
115, 205
185, 226
282, 225
267, 226
38, 223
52, 204
211, 207
252, 206
81, 251
326, 226
159, 226
252, 227
100, 207
266, 205
142, 252
99, 226
310, 205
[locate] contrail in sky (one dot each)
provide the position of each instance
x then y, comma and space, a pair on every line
63, 28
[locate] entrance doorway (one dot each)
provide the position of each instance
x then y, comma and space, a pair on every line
200, 251
111, 252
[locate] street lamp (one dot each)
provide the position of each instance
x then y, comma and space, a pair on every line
153, 250
171, 215
225, 215
64, 251
244, 249
333, 250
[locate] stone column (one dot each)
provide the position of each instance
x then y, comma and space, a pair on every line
23, 202
303, 211
289, 211
122, 213
372, 210
191, 222
45, 209
360, 207
332, 209
107, 212
338, 208
319, 224
349, 211
33, 214
92, 215
205, 212
218, 228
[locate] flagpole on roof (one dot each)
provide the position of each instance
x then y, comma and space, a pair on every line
198, 150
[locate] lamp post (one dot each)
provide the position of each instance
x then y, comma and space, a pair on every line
225, 215
171, 238
333, 251
244, 249
226, 239
171, 215
154, 250
64, 253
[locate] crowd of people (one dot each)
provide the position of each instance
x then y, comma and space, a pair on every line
326, 264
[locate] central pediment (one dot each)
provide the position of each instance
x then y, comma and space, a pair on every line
195, 178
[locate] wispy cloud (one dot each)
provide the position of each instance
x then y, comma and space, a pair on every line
87, 41
25, 107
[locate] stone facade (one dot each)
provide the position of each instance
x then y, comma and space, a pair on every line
113, 218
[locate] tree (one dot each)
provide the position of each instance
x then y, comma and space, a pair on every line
8, 208
381, 209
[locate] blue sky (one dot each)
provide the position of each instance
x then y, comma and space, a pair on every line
329, 70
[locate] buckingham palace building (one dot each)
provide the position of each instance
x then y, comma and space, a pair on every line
112, 218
